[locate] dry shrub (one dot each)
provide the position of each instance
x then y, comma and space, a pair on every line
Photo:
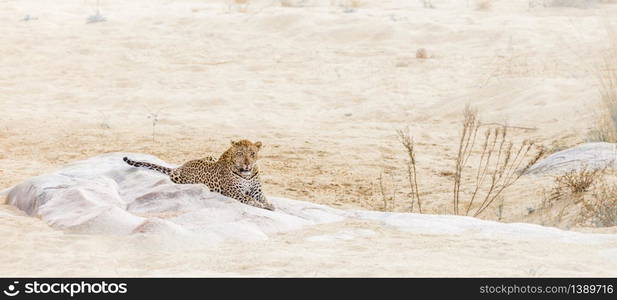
408, 143
601, 209
384, 194
240, 5
484, 4
348, 6
292, 3
569, 187
427, 3
501, 163
584, 194
355, 3
606, 73
422, 53
578, 181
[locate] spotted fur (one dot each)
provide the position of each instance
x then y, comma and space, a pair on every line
234, 174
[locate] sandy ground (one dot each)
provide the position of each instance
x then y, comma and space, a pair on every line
323, 84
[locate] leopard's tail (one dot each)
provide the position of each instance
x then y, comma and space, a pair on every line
151, 166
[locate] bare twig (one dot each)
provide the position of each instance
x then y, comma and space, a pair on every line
466, 143
408, 143
509, 126
383, 192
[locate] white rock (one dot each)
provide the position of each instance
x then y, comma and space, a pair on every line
103, 194
590, 155
460, 225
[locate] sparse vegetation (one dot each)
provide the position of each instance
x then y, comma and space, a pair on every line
606, 72
240, 5
586, 195
427, 3
292, 3
28, 18
96, 17
154, 117
105, 120
349, 6
576, 181
408, 144
500, 164
384, 197
484, 4
601, 209
422, 54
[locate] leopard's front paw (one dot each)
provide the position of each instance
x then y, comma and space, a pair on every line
261, 204
268, 206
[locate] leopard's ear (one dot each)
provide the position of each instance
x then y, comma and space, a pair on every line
258, 145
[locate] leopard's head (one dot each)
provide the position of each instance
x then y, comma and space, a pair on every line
242, 156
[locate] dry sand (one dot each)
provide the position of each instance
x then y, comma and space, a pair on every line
324, 85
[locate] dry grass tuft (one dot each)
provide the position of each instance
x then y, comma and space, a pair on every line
484, 5
384, 194
427, 3
348, 6
606, 73
422, 54
240, 5
292, 3
408, 143
586, 195
500, 165
577, 182
601, 209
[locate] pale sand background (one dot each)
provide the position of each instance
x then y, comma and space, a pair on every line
324, 90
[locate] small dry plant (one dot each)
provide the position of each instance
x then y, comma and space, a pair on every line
501, 163
292, 3
568, 189
240, 5
384, 197
154, 117
427, 3
578, 181
96, 17
105, 122
421, 53
587, 194
484, 4
348, 6
601, 209
408, 143
606, 73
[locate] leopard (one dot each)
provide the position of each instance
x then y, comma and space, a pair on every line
234, 174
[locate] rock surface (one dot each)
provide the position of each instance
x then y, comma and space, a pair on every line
135, 222
589, 155
104, 195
